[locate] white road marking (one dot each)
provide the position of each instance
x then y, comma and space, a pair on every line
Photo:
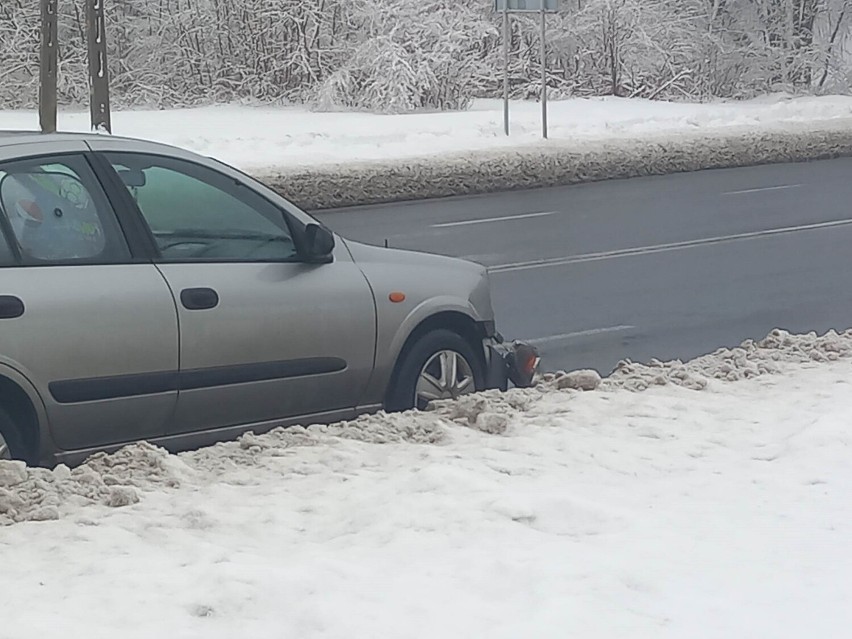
662, 248
485, 220
587, 333
765, 188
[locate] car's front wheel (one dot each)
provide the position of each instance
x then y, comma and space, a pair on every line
440, 365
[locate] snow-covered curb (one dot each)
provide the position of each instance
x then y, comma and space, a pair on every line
558, 163
35, 494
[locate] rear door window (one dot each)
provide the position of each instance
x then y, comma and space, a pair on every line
54, 211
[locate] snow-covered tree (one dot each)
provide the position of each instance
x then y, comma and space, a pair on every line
402, 55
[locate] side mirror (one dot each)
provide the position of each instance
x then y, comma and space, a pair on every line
319, 244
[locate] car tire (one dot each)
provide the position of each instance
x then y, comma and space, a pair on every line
432, 355
11, 443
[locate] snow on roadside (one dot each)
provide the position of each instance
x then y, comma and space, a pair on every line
36, 494
671, 512
256, 138
750, 359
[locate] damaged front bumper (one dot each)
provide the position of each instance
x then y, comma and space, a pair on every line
515, 362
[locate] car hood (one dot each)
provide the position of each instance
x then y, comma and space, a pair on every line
377, 254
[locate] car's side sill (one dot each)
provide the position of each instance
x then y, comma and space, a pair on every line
198, 439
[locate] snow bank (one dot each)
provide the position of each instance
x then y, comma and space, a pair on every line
35, 494
258, 139
38, 494
559, 163
750, 359
333, 159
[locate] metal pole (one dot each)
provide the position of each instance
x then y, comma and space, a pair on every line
98, 71
506, 66
47, 68
543, 73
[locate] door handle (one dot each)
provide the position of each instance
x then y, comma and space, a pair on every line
10, 307
199, 299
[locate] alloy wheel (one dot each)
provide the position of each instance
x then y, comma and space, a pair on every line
446, 375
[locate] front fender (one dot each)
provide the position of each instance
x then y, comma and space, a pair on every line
409, 288
390, 345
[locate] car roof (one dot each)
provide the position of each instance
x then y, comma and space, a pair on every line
10, 138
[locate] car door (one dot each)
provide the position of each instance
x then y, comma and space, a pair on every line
263, 336
91, 326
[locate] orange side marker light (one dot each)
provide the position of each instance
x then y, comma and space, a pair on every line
396, 297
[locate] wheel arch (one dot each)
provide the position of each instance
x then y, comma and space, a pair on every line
24, 407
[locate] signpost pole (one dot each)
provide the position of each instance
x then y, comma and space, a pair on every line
530, 7
543, 73
506, 66
47, 68
98, 71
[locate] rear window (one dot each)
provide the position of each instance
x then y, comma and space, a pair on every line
53, 211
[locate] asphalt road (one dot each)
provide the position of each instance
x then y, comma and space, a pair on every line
666, 267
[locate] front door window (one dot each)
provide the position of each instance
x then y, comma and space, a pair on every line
198, 214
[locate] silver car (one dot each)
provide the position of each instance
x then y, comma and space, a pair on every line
148, 293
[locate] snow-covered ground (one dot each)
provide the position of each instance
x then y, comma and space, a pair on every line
699, 507
256, 138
